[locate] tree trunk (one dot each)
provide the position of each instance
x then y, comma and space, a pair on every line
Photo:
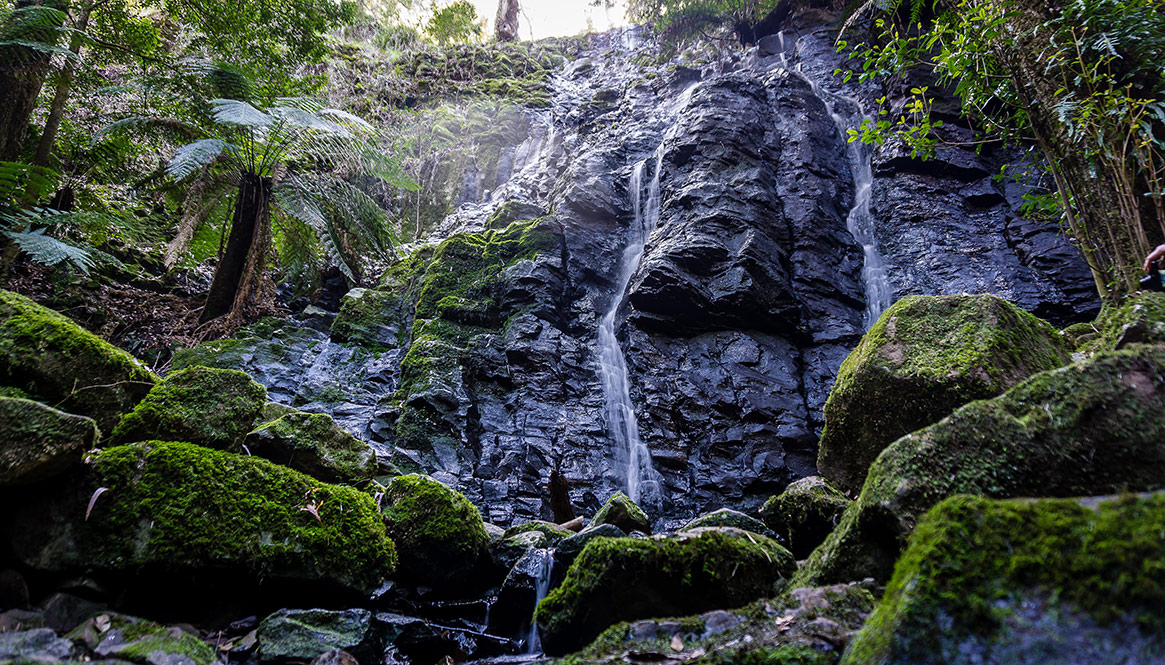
506, 23
64, 84
251, 210
22, 73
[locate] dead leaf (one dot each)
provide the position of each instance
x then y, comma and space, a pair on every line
93, 499
101, 623
676, 643
784, 623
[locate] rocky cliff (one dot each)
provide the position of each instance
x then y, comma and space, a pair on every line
710, 213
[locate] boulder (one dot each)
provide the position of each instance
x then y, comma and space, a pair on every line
438, 532
1140, 319
1088, 429
307, 634
506, 552
569, 548
1025, 581
552, 531
208, 407
123, 637
314, 444
805, 513
805, 627
622, 579
38, 645
185, 509
519, 592
54, 360
729, 517
622, 512
37, 441
925, 357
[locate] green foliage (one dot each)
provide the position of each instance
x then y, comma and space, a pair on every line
455, 24
680, 21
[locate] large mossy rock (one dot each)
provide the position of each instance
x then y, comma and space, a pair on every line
54, 360
1092, 428
314, 444
805, 513
112, 635
1045, 581
622, 579
805, 627
438, 532
209, 407
305, 634
184, 509
925, 357
733, 518
1140, 319
37, 441
622, 512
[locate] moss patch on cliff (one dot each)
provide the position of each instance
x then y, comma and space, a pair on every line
1091, 428
210, 407
621, 579
926, 356
971, 561
178, 506
54, 360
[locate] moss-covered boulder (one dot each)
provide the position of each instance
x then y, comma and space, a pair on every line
568, 549
805, 627
1046, 581
805, 513
209, 407
178, 508
552, 531
1140, 319
925, 357
438, 532
1092, 428
38, 441
314, 444
622, 579
112, 635
305, 634
622, 512
54, 360
733, 518
34, 645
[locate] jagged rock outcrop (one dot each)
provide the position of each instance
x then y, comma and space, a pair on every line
475, 359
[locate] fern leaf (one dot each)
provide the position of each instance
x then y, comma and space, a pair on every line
192, 157
235, 112
50, 251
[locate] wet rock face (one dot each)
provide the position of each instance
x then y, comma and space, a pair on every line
748, 297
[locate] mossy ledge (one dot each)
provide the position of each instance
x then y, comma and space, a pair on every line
621, 579
54, 360
181, 507
1088, 429
925, 357
972, 562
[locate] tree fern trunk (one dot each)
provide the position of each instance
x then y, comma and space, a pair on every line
251, 207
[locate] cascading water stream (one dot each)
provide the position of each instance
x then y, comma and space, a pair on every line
613, 364
859, 221
541, 573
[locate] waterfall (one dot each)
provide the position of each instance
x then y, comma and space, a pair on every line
613, 365
541, 574
859, 221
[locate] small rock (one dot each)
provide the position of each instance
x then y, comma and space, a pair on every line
335, 657
38, 644
307, 634
621, 511
38, 441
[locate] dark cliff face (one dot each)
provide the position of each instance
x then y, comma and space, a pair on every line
748, 296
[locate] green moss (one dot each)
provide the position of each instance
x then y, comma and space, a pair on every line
178, 506
314, 444
54, 360
141, 640
210, 407
926, 356
1091, 428
971, 560
1140, 319
438, 532
728, 517
553, 532
622, 512
38, 441
368, 317
805, 513
620, 579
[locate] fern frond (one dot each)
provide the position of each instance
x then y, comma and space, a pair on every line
171, 126
239, 113
17, 178
50, 251
193, 157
